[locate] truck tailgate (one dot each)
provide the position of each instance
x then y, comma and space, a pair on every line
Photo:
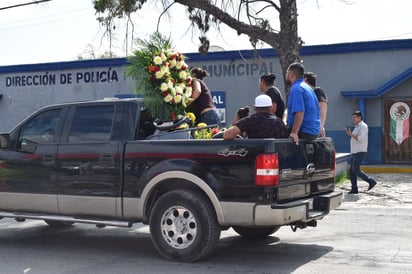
305, 169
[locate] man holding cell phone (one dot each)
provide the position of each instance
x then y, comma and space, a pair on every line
358, 149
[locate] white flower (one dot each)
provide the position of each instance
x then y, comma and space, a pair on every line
157, 60
163, 56
170, 84
182, 74
179, 64
179, 90
172, 63
159, 74
177, 98
188, 91
164, 70
168, 98
163, 87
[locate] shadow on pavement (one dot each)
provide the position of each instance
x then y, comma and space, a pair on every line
269, 255
82, 243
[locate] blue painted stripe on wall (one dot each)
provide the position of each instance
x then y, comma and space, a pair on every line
308, 50
95, 63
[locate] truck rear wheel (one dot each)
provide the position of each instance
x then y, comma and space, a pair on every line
183, 226
255, 232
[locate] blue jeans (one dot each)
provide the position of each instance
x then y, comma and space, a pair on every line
210, 117
355, 170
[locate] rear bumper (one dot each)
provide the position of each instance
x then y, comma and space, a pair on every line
298, 211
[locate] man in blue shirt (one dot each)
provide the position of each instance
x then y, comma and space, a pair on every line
303, 109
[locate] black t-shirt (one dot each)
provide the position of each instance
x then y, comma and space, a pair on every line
275, 95
262, 125
321, 95
204, 100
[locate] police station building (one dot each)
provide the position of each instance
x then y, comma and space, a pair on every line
374, 77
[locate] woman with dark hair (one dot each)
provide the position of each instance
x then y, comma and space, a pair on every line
266, 85
202, 105
241, 113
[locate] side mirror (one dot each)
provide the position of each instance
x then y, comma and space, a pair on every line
5, 141
27, 145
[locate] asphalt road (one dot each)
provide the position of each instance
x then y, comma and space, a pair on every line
369, 233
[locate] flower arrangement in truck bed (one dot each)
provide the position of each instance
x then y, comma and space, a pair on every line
163, 77
203, 132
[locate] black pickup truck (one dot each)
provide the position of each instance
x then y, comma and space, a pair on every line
105, 163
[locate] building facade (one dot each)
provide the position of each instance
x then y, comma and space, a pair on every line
374, 77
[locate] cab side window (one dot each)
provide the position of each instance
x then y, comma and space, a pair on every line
41, 129
92, 124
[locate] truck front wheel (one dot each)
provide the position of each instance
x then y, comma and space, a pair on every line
183, 226
255, 232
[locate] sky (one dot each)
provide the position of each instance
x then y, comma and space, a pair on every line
61, 30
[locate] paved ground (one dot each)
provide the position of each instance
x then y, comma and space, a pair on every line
368, 234
392, 190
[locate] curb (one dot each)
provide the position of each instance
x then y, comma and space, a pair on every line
386, 169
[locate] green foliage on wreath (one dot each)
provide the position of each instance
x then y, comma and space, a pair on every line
162, 76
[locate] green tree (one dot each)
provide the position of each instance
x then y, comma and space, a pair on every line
249, 17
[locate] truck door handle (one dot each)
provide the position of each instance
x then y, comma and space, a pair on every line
106, 158
48, 159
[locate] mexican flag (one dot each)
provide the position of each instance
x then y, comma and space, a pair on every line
400, 122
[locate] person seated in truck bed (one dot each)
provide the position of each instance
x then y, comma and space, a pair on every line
241, 113
261, 124
303, 109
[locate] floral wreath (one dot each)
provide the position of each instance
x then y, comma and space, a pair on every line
163, 77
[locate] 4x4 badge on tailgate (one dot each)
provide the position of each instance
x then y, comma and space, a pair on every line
232, 152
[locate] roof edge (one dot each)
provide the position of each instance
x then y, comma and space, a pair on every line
382, 90
340, 48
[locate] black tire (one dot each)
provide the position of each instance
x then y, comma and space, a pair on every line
58, 224
255, 232
183, 226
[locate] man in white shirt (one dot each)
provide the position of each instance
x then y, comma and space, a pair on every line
358, 149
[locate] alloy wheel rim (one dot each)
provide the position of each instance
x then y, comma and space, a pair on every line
178, 227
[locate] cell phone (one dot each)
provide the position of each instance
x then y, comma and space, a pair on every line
348, 127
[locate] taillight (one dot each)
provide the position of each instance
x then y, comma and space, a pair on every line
267, 170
